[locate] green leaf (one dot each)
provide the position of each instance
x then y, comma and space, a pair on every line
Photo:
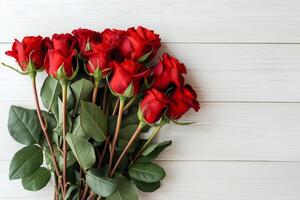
71, 190
93, 121
50, 121
23, 125
25, 162
50, 92
146, 172
145, 57
37, 180
147, 187
126, 190
70, 99
82, 90
153, 151
122, 143
71, 159
82, 150
127, 131
77, 130
100, 184
59, 126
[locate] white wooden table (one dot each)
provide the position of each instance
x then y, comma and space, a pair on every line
243, 56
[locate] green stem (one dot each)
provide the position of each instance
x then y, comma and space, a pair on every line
12, 68
95, 91
130, 103
149, 140
44, 128
129, 144
117, 130
64, 85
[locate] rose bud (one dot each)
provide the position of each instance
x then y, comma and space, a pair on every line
153, 105
85, 37
61, 57
98, 58
181, 101
125, 74
29, 51
140, 44
169, 71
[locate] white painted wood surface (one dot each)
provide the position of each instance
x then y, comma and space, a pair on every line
243, 57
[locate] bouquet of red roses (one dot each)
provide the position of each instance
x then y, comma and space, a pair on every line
103, 91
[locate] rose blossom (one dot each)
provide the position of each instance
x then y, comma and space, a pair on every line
138, 42
181, 101
126, 73
61, 53
31, 48
85, 37
152, 105
169, 71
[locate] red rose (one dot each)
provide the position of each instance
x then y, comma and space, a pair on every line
168, 71
64, 43
85, 37
112, 37
153, 105
181, 101
61, 53
98, 57
54, 60
138, 42
126, 73
31, 47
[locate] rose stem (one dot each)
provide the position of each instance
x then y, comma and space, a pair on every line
130, 103
132, 139
103, 152
117, 130
64, 85
85, 192
44, 128
116, 107
104, 99
149, 140
95, 91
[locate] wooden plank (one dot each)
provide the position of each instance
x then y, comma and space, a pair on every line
265, 73
201, 180
272, 21
224, 131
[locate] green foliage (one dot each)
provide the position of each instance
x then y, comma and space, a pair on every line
126, 190
23, 125
88, 127
153, 151
100, 184
82, 90
37, 180
147, 187
25, 162
50, 92
77, 129
146, 172
93, 121
82, 150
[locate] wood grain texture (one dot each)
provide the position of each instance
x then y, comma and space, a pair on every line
272, 21
242, 58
